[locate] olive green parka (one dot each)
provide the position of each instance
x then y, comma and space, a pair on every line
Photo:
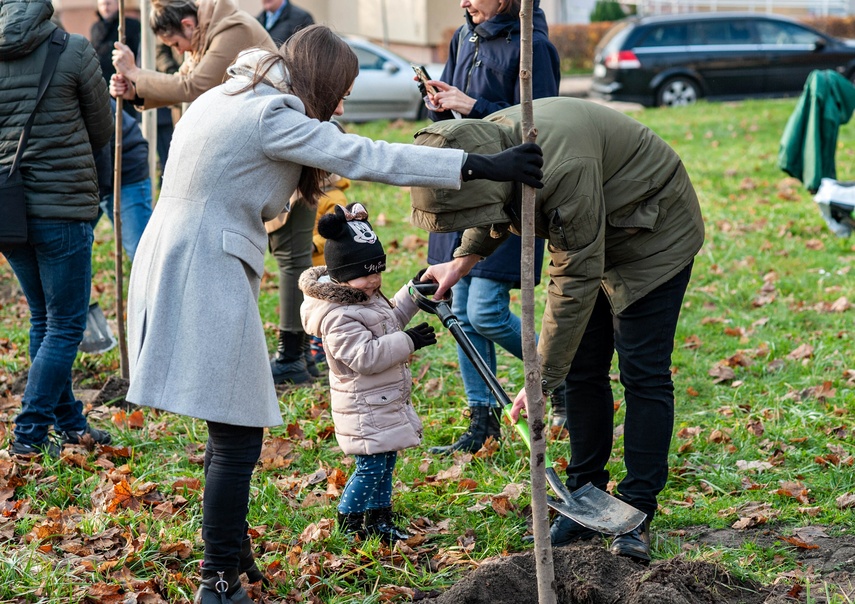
617, 208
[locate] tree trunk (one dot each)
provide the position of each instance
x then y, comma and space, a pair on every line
539, 507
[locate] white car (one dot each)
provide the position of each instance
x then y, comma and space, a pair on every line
384, 88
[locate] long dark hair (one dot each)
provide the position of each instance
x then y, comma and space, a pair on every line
322, 67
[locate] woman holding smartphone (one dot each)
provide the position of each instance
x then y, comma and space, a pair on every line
481, 77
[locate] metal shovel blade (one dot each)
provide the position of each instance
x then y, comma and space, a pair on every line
593, 508
98, 337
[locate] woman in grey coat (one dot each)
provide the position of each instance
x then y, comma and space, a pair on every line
197, 343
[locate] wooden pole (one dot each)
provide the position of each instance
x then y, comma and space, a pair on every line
149, 116
539, 507
117, 217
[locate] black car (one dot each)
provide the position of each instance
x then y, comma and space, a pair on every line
677, 59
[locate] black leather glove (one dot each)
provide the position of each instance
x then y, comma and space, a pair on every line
422, 335
522, 163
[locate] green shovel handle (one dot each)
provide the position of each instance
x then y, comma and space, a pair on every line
521, 426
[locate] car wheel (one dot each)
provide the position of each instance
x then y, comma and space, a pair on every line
677, 91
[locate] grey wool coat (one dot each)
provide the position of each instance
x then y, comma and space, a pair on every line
367, 353
196, 341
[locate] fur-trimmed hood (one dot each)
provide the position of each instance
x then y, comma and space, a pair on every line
315, 283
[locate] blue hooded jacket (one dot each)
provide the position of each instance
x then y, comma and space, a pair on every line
484, 63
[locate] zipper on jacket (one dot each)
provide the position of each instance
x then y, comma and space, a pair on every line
475, 39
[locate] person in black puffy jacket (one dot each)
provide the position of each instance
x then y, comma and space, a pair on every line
61, 189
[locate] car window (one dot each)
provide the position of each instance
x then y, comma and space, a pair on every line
614, 39
720, 32
784, 33
665, 35
368, 59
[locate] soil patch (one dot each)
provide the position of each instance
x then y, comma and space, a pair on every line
589, 574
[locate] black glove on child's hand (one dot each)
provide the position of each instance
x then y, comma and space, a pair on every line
422, 335
522, 163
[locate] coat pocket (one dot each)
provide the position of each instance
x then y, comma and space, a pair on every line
386, 406
644, 216
242, 248
571, 232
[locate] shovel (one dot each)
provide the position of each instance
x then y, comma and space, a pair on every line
589, 506
98, 337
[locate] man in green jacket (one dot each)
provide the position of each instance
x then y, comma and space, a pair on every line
623, 225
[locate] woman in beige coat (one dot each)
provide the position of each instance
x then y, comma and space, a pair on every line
212, 32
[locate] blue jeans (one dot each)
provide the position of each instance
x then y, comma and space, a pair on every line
136, 210
482, 307
370, 486
643, 336
54, 270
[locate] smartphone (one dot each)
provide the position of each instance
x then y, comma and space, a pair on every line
422, 74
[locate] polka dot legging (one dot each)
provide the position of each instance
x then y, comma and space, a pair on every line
370, 486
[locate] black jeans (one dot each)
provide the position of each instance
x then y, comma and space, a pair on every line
230, 457
643, 336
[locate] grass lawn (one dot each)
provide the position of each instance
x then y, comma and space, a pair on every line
764, 368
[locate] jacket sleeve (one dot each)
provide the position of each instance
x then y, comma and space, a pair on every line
288, 135
405, 307
577, 261
158, 89
352, 344
447, 76
94, 99
480, 242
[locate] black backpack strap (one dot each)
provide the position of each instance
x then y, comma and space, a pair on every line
58, 42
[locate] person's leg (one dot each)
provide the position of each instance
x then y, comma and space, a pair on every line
644, 340
589, 400
136, 211
490, 314
55, 273
590, 416
291, 245
378, 516
484, 413
236, 449
359, 491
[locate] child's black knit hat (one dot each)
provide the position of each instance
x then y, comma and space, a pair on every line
352, 249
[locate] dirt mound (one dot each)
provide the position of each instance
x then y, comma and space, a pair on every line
591, 575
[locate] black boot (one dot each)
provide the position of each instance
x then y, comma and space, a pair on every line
635, 544
289, 363
246, 564
379, 522
221, 587
559, 407
351, 523
483, 422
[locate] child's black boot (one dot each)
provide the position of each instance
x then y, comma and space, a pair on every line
379, 522
352, 524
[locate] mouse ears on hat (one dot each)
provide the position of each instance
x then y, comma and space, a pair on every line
334, 224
